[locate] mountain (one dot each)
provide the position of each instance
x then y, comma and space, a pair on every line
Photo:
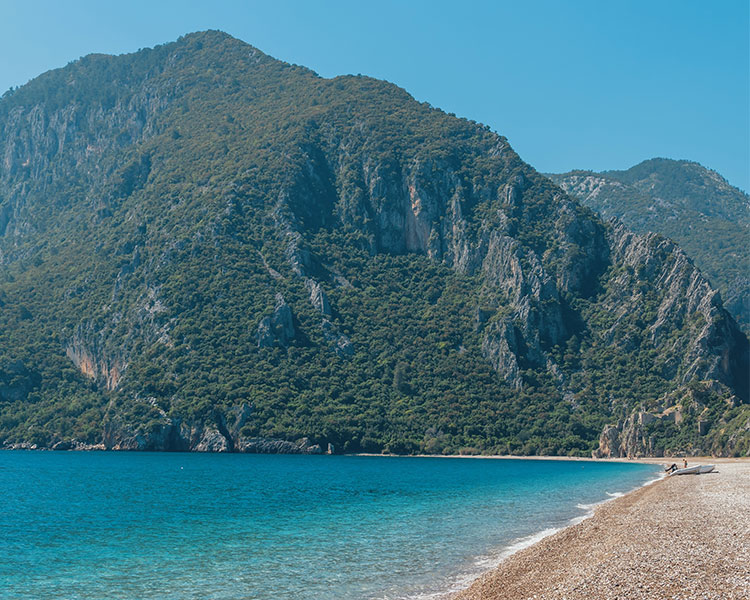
682, 200
204, 248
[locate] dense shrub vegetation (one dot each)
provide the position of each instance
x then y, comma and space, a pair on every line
694, 206
154, 207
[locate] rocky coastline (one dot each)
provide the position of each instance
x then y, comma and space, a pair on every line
179, 437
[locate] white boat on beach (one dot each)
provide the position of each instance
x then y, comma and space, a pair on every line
696, 470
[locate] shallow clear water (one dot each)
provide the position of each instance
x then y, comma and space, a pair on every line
175, 526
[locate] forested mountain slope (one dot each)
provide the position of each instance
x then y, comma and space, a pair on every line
204, 248
680, 199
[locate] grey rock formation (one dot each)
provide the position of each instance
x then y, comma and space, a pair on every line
420, 207
343, 346
641, 433
212, 441
278, 329
269, 446
500, 347
318, 297
221, 433
717, 350
627, 439
282, 321
684, 201
174, 435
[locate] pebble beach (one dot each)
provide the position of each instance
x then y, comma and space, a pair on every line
683, 537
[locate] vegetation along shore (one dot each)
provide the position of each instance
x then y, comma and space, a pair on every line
203, 248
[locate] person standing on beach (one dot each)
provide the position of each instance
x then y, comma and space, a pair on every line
684, 463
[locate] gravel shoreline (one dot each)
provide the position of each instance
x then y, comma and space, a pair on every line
684, 537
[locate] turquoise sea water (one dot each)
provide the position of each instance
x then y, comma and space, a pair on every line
181, 526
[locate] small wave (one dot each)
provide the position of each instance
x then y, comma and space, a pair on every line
517, 546
483, 564
487, 563
428, 595
659, 478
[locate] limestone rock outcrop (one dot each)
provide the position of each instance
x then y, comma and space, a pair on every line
646, 432
221, 433
278, 329
318, 297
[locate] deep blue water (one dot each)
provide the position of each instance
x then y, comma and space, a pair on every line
104, 525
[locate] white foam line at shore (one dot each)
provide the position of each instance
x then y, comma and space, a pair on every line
490, 562
485, 564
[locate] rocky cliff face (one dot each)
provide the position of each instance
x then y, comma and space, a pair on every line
716, 350
46, 139
422, 208
221, 434
683, 200
278, 328
216, 230
685, 414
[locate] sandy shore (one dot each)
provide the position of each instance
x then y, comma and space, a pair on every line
682, 537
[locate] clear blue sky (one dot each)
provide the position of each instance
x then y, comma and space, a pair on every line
572, 83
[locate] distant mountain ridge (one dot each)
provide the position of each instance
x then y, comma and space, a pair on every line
687, 202
204, 248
